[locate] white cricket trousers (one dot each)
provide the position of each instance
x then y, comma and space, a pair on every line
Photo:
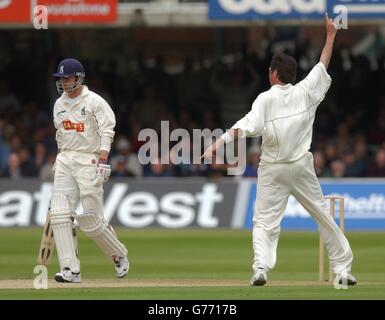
276, 182
74, 177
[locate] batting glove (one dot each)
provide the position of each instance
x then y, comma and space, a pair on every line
103, 171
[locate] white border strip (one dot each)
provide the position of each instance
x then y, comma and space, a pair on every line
241, 203
362, 8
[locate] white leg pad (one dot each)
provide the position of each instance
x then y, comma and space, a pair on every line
62, 223
96, 228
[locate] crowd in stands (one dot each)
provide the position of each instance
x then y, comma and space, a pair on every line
349, 131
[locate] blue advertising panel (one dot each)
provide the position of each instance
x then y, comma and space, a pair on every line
294, 9
364, 207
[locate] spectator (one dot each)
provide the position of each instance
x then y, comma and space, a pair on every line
377, 169
15, 143
40, 155
330, 154
157, 170
337, 169
120, 170
361, 162
13, 171
27, 166
252, 163
350, 168
343, 141
319, 164
123, 148
46, 171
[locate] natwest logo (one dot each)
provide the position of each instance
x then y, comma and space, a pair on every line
177, 209
80, 10
129, 208
273, 6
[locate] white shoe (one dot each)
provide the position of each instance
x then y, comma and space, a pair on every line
66, 275
258, 279
346, 278
121, 267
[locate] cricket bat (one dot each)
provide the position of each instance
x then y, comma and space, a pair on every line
47, 244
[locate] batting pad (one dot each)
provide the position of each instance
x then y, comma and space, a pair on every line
62, 226
60, 207
96, 228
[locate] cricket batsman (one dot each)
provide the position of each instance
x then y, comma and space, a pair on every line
84, 125
284, 117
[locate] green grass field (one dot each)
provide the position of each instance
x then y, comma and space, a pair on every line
191, 264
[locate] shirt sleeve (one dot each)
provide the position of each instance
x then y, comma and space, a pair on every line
105, 120
54, 115
317, 83
58, 139
253, 123
56, 124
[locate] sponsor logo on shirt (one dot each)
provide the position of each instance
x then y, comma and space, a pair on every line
68, 125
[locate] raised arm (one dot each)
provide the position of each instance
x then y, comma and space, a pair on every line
331, 32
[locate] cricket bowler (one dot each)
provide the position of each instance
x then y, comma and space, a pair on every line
84, 125
284, 117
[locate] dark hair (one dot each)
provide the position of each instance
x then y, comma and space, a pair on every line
286, 67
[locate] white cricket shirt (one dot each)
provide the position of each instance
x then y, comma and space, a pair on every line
284, 117
84, 124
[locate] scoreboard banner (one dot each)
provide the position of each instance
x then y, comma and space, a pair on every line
60, 11
193, 203
80, 11
294, 9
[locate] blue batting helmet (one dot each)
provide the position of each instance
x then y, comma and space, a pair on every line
69, 68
